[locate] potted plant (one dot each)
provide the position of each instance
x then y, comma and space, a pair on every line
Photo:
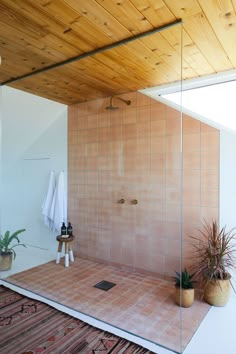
7, 252
215, 256
184, 289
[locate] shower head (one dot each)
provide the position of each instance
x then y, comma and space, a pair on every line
113, 108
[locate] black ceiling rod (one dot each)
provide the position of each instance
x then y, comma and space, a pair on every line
94, 52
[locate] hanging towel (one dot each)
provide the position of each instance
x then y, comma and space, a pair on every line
46, 207
58, 213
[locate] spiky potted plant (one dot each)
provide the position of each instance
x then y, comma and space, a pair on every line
184, 288
7, 245
215, 256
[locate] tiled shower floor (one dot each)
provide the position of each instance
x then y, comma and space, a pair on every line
139, 304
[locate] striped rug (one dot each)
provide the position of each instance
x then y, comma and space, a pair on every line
28, 326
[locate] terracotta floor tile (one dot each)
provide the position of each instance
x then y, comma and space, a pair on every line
140, 304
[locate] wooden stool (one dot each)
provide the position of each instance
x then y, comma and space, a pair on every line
68, 249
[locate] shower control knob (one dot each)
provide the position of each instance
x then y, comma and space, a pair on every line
134, 201
121, 201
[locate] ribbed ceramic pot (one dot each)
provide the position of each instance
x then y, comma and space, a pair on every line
217, 291
184, 297
6, 260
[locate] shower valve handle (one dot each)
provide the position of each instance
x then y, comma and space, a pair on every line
134, 201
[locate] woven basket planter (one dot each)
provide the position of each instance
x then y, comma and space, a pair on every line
217, 292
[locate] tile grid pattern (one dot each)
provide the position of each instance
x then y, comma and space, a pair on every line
140, 304
134, 153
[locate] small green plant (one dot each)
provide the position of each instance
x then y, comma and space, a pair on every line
184, 280
6, 241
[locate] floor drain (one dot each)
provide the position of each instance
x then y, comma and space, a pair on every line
104, 285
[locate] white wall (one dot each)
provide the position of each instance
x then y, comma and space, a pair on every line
227, 179
34, 142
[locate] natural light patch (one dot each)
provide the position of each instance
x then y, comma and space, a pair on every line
217, 103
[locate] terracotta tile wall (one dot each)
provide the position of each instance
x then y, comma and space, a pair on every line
135, 153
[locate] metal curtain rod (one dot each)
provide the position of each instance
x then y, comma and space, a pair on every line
93, 52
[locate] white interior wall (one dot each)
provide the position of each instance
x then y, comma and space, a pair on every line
227, 179
34, 142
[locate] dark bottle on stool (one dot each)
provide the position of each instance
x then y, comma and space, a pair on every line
63, 229
69, 230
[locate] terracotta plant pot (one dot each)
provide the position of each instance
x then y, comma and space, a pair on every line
184, 297
6, 260
217, 292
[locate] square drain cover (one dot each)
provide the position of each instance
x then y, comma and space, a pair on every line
104, 285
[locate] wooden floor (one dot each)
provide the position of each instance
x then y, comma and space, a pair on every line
139, 304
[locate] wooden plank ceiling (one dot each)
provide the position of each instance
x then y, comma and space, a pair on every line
35, 34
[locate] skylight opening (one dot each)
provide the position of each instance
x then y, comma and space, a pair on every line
211, 99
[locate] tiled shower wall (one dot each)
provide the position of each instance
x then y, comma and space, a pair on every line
134, 152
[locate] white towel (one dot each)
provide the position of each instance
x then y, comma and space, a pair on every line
58, 213
46, 207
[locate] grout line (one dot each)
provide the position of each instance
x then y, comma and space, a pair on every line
159, 349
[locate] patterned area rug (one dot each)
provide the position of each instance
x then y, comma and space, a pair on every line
28, 326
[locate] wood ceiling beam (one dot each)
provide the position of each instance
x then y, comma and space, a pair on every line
93, 52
